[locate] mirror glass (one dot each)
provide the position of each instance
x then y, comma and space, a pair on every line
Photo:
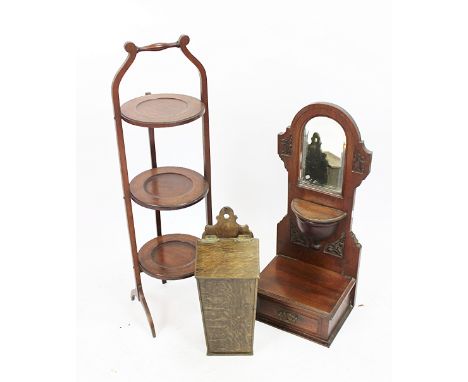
323, 155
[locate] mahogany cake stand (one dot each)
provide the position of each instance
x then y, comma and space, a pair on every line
171, 256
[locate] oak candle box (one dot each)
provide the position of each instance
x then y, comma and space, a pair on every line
227, 271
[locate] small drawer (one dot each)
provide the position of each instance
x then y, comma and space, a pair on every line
286, 315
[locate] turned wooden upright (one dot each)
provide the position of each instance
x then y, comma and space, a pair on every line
309, 287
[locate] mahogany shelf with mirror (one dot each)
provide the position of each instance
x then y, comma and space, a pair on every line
309, 287
171, 256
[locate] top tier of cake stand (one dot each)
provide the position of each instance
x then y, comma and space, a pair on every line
162, 110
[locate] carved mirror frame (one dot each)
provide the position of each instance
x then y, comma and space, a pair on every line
340, 252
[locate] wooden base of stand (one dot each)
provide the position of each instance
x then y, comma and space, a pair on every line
304, 299
138, 293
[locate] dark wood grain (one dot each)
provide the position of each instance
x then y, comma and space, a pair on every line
162, 110
183, 41
310, 287
169, 257
316, 212
288, 316
168, 188
316, 267
159, 46
154, 164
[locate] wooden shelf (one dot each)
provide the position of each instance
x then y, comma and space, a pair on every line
308, 286
316, 213
162, 110
168, 188
169, 257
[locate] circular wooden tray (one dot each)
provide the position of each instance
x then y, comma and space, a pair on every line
162, 110
168, 188
169, 257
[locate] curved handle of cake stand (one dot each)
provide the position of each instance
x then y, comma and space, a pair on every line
130, 47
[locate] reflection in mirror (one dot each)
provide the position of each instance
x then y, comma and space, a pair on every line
323, 154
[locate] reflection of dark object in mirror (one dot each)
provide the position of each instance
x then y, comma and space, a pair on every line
316, 162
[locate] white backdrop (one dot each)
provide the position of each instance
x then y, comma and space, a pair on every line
264, 61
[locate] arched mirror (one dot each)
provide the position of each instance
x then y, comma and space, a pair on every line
323, 155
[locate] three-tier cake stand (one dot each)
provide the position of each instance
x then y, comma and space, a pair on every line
171, 256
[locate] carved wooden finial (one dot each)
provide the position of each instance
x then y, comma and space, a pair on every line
226, 226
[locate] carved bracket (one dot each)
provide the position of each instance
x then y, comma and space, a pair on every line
362, 159
226, 226
355, 241
336, 248
297, 237
285, 146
